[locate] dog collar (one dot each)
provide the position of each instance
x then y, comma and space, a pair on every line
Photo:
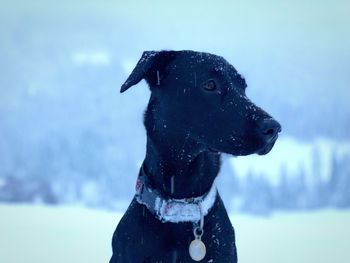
174, 210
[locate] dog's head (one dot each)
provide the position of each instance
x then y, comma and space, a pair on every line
201, 97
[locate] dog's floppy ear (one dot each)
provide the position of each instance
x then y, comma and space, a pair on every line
149, 67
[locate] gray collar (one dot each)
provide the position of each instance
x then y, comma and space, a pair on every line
173, 210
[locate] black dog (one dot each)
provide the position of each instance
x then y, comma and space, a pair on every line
198, 109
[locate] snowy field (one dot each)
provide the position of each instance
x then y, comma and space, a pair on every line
41, 234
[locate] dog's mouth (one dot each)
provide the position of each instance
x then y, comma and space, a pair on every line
268, 146
238, 147
212, 150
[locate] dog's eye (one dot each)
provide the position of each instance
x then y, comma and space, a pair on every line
210, 85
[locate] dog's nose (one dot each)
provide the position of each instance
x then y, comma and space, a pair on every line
269, 128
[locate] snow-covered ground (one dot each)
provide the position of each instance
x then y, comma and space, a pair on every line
42, 234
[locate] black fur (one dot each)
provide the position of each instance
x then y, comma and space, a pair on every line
198, 109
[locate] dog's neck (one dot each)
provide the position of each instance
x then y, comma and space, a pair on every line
179, 173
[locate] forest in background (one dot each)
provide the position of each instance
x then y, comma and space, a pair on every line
68, 136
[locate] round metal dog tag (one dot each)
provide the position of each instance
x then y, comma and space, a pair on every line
197, 249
